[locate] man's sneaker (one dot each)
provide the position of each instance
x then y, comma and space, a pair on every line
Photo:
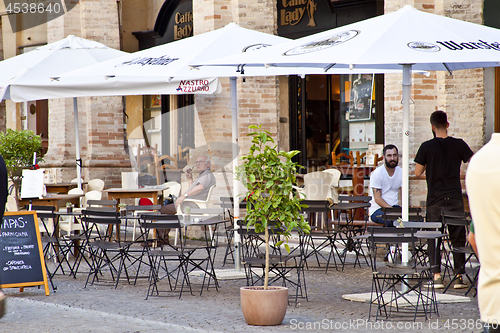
438, 283
459, 283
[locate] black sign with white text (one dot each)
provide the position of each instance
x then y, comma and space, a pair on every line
21, 253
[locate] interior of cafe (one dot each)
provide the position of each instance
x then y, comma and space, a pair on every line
335, 113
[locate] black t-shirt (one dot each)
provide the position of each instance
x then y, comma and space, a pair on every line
442, 158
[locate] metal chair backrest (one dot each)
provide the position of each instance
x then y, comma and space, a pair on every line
102, 205
391, 237
151, 221
391, 212
93, 217
354, 198
315, 206
46, 217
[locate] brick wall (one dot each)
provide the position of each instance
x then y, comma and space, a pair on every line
100, 118
461, 95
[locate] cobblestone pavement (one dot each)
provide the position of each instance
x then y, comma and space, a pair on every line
102, 308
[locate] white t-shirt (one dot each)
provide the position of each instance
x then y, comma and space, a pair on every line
390, 186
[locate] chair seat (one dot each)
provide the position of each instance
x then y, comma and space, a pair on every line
158, 252
388, 270
107, 245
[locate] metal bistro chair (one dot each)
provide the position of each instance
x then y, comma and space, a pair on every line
397, 288
458, 220
227, 206
134, 212
104, 252
161, 259
288, 269
348, 228
326, 236
54, 249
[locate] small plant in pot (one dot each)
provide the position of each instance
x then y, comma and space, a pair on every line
69, 207
269, 176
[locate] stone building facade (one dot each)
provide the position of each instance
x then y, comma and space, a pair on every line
107, 123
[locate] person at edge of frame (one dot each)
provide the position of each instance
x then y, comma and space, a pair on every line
482, 183
3, 199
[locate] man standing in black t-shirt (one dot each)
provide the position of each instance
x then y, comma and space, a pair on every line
441, 158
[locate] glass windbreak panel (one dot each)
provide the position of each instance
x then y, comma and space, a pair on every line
299, 118
152, 121
317, 127
334, 113
185, 127
357, 113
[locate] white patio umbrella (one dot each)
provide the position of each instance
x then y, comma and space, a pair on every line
36, 66
406, 39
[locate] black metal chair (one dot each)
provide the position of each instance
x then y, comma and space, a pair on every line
227, 205
161, 259
54, 248
134, 212
348, 228
459, 220
287, 269
104, 252
320, 239
397, 285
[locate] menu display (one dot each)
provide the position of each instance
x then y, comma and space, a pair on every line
21, 254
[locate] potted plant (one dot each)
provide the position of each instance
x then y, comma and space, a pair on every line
269, 176
69, 207
17, 149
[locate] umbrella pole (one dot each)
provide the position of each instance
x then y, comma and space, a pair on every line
77, 139
236, 207
406, 156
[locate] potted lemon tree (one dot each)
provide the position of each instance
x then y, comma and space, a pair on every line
269, 176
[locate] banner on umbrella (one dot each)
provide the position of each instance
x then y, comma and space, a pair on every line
207, 86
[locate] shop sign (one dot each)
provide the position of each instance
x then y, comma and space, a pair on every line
183, 26
292, 12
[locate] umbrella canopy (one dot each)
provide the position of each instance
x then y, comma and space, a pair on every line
165, 69
36, 66
406, 39
161, 69
407, 36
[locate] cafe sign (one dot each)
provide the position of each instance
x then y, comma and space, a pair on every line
293, 11
183, 26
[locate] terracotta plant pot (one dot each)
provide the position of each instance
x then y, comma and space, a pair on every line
264, 307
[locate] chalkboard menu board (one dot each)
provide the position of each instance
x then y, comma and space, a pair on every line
21, 254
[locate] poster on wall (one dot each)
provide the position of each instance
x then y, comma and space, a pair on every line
360, 103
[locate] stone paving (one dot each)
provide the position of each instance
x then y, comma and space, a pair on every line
102, 308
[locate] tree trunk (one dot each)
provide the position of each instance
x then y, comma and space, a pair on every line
266, 270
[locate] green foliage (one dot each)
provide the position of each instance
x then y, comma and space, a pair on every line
268, 175
17, 148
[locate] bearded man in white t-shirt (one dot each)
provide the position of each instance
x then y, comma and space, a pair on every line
385, 183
